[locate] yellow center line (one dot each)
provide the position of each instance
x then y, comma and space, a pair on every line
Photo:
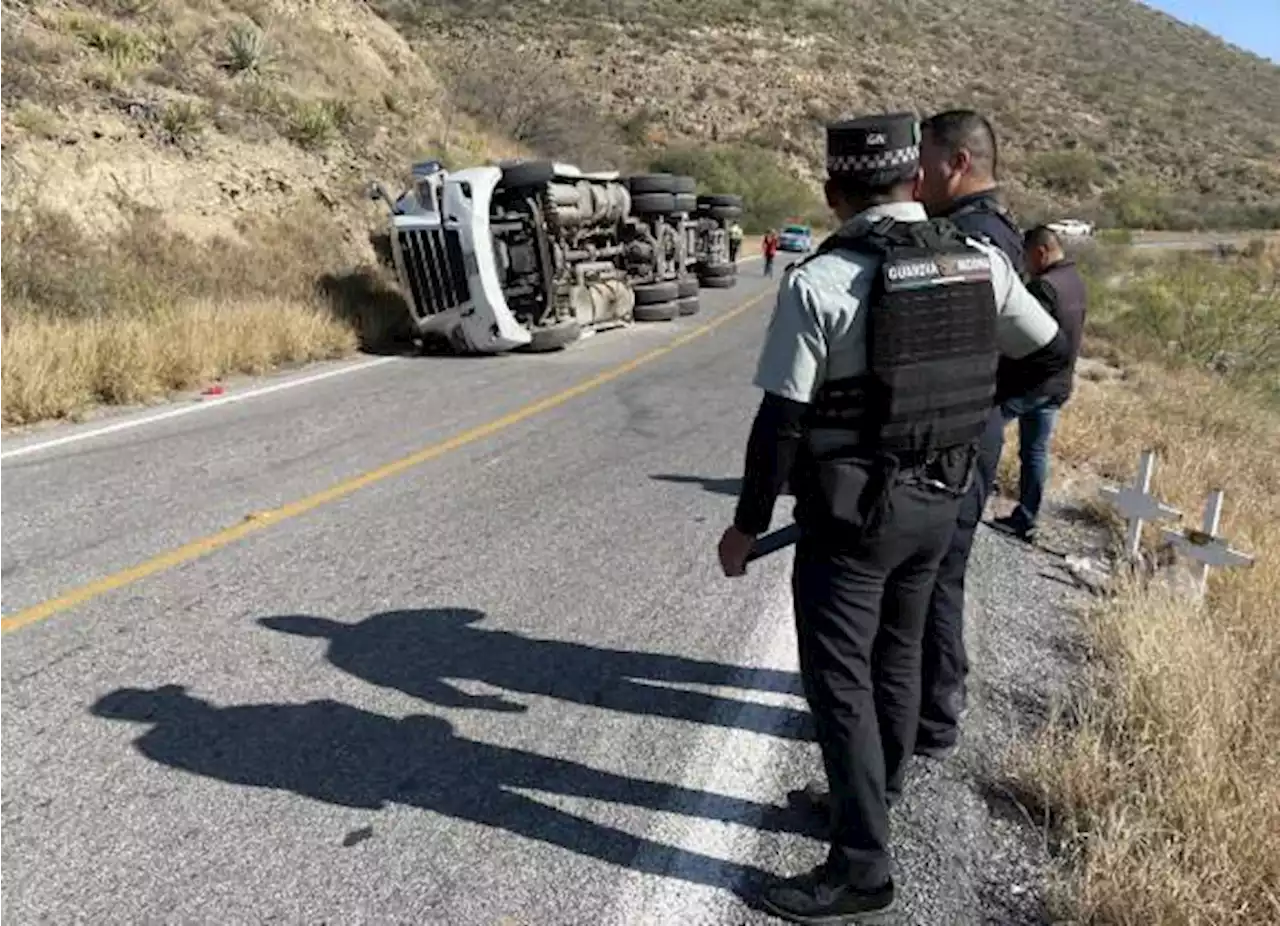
204, 545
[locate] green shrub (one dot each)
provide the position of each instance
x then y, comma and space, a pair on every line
1193, 308
1071, 172
772, 194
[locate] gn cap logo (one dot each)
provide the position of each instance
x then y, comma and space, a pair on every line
875, 138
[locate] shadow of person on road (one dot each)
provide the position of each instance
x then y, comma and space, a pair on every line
343, 755
415, 651
726, 486
709, 483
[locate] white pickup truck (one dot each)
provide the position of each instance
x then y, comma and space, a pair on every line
1072, 228
532, 255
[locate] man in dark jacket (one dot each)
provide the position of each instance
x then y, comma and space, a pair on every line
959, 157
1058, 285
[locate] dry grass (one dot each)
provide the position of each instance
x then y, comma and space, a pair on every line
1162, 777
136, 316
55, 367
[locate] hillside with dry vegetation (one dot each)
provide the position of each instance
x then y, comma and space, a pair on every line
1103, 105
1156, 777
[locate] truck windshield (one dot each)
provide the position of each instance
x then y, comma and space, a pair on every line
795, 230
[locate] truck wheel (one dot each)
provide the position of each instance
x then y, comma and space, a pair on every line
688, 305
651, 183
681, 184
686, 202
531, 173
655, 293
722, 212
719, 199
688, 286
653, 203
656, 312
706, 271
557, 337
719, 282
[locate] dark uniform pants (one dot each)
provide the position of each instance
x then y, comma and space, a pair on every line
860, 612
945, 662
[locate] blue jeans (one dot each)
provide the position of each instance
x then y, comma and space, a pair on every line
1036, 418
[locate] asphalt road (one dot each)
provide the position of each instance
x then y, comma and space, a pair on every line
501, 682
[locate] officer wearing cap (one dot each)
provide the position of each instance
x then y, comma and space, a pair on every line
878, 371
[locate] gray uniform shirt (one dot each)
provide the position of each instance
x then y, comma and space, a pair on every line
818, 329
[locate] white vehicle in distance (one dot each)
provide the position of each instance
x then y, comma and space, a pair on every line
534, 255
1072, 228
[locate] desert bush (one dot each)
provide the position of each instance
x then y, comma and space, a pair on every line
1159, 775
772, 194
1073, 172
532, 100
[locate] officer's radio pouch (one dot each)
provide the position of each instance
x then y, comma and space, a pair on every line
855, 494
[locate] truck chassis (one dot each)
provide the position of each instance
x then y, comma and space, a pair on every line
535, 255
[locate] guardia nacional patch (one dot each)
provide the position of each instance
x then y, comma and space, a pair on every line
938, 270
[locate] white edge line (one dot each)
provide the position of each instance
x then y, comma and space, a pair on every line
209, 403
726, 761
206, 405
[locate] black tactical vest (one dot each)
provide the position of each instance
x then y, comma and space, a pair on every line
983, 217
931, 345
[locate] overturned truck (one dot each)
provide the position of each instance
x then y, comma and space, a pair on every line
534, 255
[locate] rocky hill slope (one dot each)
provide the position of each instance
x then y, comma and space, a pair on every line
211, 110
1102, 104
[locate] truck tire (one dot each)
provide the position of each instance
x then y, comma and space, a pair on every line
681, 184
688, 305
657, 312
653, 203
651, 183
723, 212
686, 202
655, 293
530, 173
719, 282
706, 271
557, 337
688, 286
719, 199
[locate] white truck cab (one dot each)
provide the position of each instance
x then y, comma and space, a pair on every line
533, 254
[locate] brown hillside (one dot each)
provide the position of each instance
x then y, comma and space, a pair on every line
211, 110
1092, 97
216, 109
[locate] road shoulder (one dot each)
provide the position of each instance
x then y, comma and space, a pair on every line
967, 850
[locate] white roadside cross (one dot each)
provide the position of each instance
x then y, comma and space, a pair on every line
1205, 546
1137, 504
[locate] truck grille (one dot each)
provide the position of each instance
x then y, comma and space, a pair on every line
436, 271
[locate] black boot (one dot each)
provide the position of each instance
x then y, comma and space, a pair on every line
817, 899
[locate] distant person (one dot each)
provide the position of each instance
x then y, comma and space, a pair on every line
1057, 283
735, 241
769, 247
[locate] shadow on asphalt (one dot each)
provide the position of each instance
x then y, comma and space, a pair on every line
709, 483
333, 752
414, 651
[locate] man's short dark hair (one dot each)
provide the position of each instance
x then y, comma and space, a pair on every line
963, 129
1042, 236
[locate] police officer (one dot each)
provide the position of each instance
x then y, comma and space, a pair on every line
959, 158
878, 370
